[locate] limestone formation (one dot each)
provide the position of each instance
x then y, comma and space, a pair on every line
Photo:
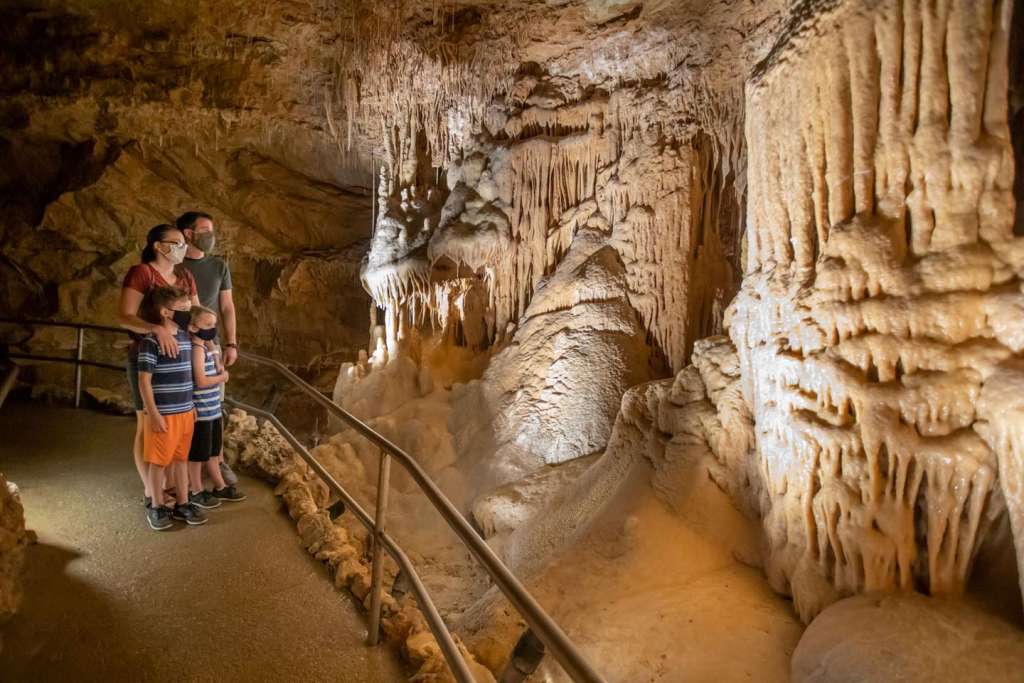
882, 292
13, 541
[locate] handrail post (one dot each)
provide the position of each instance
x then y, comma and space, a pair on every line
79, 348
379, 522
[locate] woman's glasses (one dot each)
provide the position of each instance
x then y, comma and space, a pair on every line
177, 244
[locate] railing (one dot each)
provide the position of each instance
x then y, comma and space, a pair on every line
77, 359
540, 623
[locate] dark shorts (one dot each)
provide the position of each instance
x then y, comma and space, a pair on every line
132, 369
206, 440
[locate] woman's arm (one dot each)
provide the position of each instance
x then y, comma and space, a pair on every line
128, 317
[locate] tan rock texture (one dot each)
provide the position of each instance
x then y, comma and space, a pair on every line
13, 540
907, 637
115, 117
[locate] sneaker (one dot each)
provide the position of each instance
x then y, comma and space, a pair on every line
230, 494
158, 518
147, 502
190, 514
230, 478
204, 499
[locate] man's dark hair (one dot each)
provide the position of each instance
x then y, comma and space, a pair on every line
164, 297
187, 220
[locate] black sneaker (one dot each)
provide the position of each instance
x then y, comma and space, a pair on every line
147, 502
204, 499
230, 494
158, 518
190, 514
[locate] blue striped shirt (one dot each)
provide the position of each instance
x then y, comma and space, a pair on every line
208, 400
172, 377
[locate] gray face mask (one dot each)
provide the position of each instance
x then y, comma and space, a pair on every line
176, 253
204, 241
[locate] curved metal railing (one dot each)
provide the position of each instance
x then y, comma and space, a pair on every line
542, 625
539, 622
77, 360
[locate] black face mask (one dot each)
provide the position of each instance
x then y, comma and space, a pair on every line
207, 335
182, 318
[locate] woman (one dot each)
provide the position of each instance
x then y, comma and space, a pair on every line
160, 267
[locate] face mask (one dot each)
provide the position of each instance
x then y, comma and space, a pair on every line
204, 241
176, 253
207, 335
182, 318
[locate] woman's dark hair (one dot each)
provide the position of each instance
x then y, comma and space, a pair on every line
155, 234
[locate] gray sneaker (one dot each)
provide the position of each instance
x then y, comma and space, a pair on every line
204, 500
158, 518
190, 514
230, 478
229, 493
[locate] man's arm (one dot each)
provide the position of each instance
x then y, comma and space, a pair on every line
227, 314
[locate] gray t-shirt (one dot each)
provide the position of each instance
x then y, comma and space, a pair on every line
212, 277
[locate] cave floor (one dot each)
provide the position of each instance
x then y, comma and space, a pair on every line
107, 599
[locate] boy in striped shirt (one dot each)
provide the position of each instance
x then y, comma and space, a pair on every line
165, 384
209, 377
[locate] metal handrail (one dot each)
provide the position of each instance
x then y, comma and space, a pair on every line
434, 620
543, 626
55, 323
77, 360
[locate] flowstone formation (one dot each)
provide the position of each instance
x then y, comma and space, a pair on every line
511, 204
881, 306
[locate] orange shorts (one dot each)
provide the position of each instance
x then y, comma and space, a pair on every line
162, 448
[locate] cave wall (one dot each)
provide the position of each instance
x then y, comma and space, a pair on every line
113, 120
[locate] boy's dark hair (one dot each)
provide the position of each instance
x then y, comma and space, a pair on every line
187, 220
164, 297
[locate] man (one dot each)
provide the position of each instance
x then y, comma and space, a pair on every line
213, 282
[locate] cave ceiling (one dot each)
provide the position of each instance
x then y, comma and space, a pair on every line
239, 105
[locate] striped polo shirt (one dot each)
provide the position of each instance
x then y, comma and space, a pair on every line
172, 377
208, 400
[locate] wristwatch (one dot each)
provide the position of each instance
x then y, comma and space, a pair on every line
232, 345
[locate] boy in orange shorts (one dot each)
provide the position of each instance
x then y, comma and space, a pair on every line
165, 384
